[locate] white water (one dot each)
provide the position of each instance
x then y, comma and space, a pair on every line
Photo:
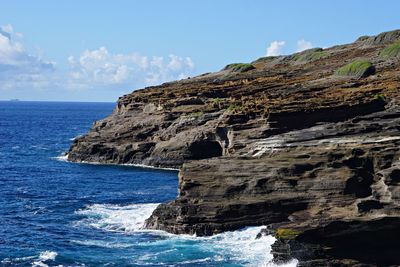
44, 257
129, 218
41, 260
238, 246
64, 158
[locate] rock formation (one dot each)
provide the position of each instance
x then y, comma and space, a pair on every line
307, 144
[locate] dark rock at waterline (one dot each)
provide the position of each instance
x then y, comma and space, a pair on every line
372, 242
287, 144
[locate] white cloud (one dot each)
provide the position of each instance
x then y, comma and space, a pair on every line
7, 28
18, 67
100, 67
303, 45
275, 48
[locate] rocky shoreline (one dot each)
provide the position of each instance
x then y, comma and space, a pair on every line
308, 144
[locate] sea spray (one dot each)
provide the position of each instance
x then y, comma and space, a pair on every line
128, 218
240, 247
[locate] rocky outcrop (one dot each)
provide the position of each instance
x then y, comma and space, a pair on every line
283, 142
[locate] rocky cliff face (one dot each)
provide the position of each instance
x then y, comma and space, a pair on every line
307, 144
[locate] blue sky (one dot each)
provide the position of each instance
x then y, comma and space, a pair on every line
98, 50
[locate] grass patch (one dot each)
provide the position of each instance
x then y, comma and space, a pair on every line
391, 51
265, 59
284, 233
362, 38
310, 55
239, 67
380, 97
234, 108
359, 68
196, 115
217, 100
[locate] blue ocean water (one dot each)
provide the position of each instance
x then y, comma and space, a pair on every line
56, 213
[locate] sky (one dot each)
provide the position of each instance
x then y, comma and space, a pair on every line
99, 50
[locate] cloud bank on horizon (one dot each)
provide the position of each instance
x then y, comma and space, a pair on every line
94, 69
100, 67
17, 66
91, 69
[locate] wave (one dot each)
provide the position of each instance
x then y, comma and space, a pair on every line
45, 257
64, 158
102, 244
241, 246
76, 137
129, 218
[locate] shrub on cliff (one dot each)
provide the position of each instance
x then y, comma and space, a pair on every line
265, 59
239, 67
310, 55
284, 233
358, 69
380, 97
391, 51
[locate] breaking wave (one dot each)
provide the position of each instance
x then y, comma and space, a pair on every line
241, 246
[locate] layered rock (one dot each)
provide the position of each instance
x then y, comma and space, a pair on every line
283, 142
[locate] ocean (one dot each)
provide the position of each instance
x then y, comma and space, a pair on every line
56, 213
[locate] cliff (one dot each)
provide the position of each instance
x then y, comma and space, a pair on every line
307, 144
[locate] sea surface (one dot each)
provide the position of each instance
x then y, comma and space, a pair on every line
56, 213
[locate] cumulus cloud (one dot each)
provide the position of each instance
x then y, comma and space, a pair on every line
19, 67
303, 45
275, 48
101, 67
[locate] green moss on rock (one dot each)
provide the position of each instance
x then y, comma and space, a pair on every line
285, 233
391, 51
359, 68
380, 97
310, 55
266, 59
239, 67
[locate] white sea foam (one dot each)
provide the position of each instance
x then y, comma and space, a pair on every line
240, 246
74, 138
108, 217
64, 158
102, 244
47, 255
127, 164
44, 257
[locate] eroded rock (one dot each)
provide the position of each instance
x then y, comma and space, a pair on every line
285, 143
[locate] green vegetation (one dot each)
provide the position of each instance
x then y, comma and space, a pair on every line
284, 233
217, 100
234, 108
380, 97
359, 68
362, 38
391, 51
310, 55
265, 59
196, 115
239, 67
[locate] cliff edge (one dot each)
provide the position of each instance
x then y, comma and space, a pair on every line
307, 144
